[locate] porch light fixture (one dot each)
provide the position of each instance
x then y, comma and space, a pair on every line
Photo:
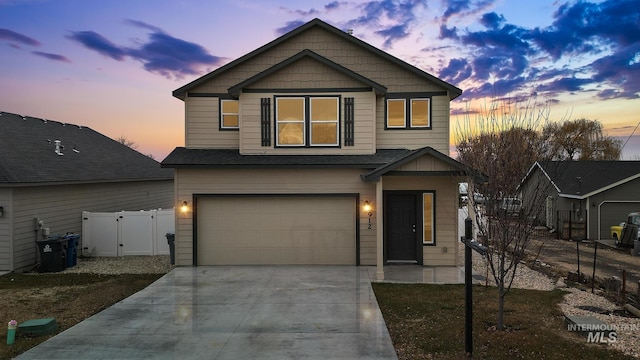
367, 207
185, 207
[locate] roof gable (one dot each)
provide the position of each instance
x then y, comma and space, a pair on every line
581, 179
29, 154
316, 23
307, 54
454, 166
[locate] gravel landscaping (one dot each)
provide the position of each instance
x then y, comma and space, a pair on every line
577, 302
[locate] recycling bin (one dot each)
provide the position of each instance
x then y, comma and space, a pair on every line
72, 249
53, 253
171, 239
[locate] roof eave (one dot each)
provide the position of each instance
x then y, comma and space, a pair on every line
375, 174
181, 92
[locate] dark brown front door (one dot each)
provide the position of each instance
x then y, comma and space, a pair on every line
401, 228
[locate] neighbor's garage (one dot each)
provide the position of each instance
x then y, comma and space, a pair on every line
613, 213
265, 230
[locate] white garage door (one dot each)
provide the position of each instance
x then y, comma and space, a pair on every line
276, 230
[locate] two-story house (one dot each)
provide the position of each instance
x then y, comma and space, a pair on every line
316, 148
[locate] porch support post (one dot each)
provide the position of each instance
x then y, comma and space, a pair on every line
379, 232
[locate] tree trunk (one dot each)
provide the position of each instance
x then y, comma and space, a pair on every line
501, 294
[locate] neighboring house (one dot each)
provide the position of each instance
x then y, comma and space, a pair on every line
317, 148
593, 194
52, 171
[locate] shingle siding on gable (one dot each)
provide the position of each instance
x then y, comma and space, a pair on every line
307, 74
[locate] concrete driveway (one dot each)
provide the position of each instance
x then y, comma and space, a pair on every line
239, 312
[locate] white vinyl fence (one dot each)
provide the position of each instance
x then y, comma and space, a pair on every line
126, 232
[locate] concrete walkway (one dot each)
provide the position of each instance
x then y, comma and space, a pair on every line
240, 312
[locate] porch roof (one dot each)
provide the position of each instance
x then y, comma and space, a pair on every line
207, 158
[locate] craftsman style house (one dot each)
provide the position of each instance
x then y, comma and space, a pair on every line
316, 148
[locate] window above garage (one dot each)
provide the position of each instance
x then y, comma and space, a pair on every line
307, 121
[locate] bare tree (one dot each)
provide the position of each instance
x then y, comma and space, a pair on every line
503, 143
580, 139
131, 144
127, 142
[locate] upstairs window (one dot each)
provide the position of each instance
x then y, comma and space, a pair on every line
408, 113
307, 121
229, 114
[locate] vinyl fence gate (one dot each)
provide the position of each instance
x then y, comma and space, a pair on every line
126, 232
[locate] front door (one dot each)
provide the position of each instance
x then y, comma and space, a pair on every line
401, 224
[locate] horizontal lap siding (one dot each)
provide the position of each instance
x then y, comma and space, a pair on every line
446, 188
6, 235
250, 132
202, 125
437, 137
60, 208
270, 181
345, 53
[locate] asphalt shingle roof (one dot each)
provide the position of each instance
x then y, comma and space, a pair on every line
28, 154
585, 177
183, 157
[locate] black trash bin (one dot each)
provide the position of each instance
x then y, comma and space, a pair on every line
53, 253
171, 239
72, 249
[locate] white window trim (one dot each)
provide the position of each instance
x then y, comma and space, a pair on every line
433, 225
336, 121
222, 114
428, 113
303, 121
404, 107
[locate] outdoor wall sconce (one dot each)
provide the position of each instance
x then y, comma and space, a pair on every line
185, 207
367, 208
1, 211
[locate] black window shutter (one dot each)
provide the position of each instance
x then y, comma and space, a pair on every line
265, 121
348, 121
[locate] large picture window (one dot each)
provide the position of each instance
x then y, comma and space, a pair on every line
408, 113
307, 121
229, 114
428, 221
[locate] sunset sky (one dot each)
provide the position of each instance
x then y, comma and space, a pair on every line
112, 65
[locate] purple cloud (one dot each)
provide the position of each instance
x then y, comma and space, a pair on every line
161, 54
290, 26
169, 56
13, 36
500, 57
392, 34
54, 57
96, 42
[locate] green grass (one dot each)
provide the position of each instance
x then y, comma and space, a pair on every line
427, 322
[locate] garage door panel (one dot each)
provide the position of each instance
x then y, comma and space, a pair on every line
276, 230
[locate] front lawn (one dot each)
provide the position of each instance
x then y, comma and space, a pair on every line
427, 322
